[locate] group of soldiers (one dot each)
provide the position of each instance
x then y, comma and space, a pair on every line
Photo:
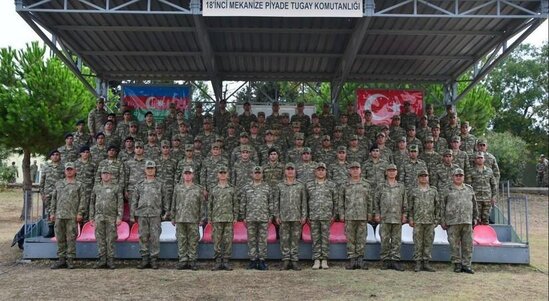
287, 171
542, 171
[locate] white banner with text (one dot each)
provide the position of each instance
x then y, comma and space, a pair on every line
283, 8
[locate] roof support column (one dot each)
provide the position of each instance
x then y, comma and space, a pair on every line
450, 92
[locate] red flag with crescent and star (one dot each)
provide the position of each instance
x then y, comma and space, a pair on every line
384, 104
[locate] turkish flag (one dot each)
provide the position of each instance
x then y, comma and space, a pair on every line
384, 104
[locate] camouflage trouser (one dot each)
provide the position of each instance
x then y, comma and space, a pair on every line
390, 241
257, 240
149, 236
290, 233
105, 234
484, 208
539, 179
320, 234
86, 199
222, 235
65, 233
423, 241
356, 238
187, 241
461, 237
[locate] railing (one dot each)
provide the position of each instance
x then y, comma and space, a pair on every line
512, 209
33, 212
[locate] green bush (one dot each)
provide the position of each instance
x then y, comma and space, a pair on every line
512, 154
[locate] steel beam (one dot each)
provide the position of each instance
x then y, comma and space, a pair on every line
100, 28
163, 7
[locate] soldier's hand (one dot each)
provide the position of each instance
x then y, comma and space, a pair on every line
377, 218
278, 221
78, 218
127, 195
173, 222
52, 218
332, 220
444, 226
118, 221
244, 220
342, 218
403, 219
303, 221
135, 219
493, 201
411, 223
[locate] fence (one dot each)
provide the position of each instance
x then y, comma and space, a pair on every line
512, 209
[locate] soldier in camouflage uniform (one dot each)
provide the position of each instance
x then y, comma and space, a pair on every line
370, 128
314, 138
339, 170
51, 174
429, 155
461, 158
374, 168
116, 167
123, 127
273, 169
323, 199
247, 117
209, 169
69, 152
390, 208
540, 170
110, 136
197, 120
134, 170
396, 130
148, 203
440, 143
411, 138
452, 128
221, 116
290, 203
326, 153
423, 216
177, 152
458, 216
408, 116
85, 174
355, 210
147, 125
385, 148
468, 141
222, 213
256, 210
99, 150
236, 152
354, 117
489, 159
81, 137
187, 215
165, 169
485, 187
305, 168
401, 155
356, 152
207, 136
128, 152
152, 150
97, 117
442, 177
411, 167
66, 211
275, 117
294, 154
106, 213
432, 119
423, 130
301, 117
241, 172
326, 119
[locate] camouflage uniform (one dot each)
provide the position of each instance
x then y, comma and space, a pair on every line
339, 173
468, 143
357, 155
290, 203
65, 206
148, 203
117, 171
451, 131
490, 161
304, 120
432, 159
111, 139
374, 172
323, 199
442, 178
222, 212
185, 162
440, 145
459, 209
241, 173
399, 158
165, 172
273, 173
208, 172
409, 172
135, 173
391, 204
85, 174
106, 207
51, 174
151, 151
356, 210
96, 120
327, 122
245, 120
256, 207
326, 155
81, 139
305, 172
354, 119
187, 210
408, 119
68, 154
424, 211
485, 187
461, 159
125, 155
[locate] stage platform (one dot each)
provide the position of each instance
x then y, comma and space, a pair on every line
509, 251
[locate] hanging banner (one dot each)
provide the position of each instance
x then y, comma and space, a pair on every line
384, 104
157, 99
283, 8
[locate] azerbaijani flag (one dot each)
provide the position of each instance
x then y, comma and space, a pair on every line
157, 99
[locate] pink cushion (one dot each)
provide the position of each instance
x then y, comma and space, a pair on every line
88, 232
271, 233
240, 233
306, 233
485, 235
207, 236
123, 231
134, 233
337, 233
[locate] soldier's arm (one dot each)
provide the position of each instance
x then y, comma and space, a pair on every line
134, 202
493, 188
43, 183
341, 203
203, 204
164, 192
304, 203
236, 204
210, 205
437, 207
81, 203
243, 203
411, 202
475, 207
369, 202
91, 123
53, 202
495, 169
93, 197
122, 177
276, 201
270, 201
335, 202
443, 201
404, 204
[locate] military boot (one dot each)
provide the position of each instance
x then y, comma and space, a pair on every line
397, 265
324, 264
361, 264
387, 264
144, 263
181, 265
286, 265
110, 263
218, 265
226, 265
101, 263
418, 266
467, 270
427, 267
262, 266
457, 267
70, 263
252, 265
194, 266
60, 264
295, 266
154, 263
316, 264
351, 264
51, 232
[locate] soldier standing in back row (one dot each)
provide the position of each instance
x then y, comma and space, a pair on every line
485, 187
106, 213
51, 174
66, 211
323, 200
459, 215
423, 216
356, 208
97, 117
148, 203
187, 215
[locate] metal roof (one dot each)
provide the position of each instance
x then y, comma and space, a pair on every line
402, 41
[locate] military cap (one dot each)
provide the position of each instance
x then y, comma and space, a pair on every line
457, 171
99, 134
339, 128
244, 134
479, 155
299, 136
261, 113
275, 103
401, 139
423, 117
53, 152
316, 125
150, 164
148, 113
189, 147
353, 137
289, 165
341, 149
105, 169
159, 126
101, 99
435, 125
231, 126
67, 135
130, 138
321, 165
447, 152
380, 134
384, 127
245, 148
325, 137
314, 115
429, 138
207, 120
374, 146
132, 123
456, 138
219, 138
112, 146
151, 132
188, 169
453, 114
285, 115
176, 137
306, 150
222, 168
296, 124
275, 126
391, 166
414, 148
138, 143
542, 156
197, 138
354, 164
69, 165
395, 117
359, 126
482, 141
80, 122
367, 112
253, 124
257, 168
84, 148
465, 124
216, 145
165, 143
411, 127
268, 132
423, 172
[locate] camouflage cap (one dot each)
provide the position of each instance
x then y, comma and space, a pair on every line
207, 120
482, 141
314, 115
465, 124
401, 139
67, 135
106, 169
479, 155
429, 106
275, 103
159, 126
165, 143
422, 172
296, 124
69, 165
456, 139
321, 165
326, 137
99, 134
380, 134
151, 132
138, 143
253, 124
414, 148
188, 169
245, 148
395, 117
411, 127
150, 164
458, 171
391, 166
384, 127
79, 122
189, 147
339, 128
261, 113
407, 104
353, 137
423, 117
299, 136
197, 138
436, 125
222, 168
429, 139
216, 145
341, 149
354, 164
219, 138
542, 156
101, 99
447, 152
268, 132
359, 126
285, 115
308, 150
316, 125
257, 168
289, 165
176, 137
231, 126
244, 134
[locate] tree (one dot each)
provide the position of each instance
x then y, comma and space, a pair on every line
41, 100
511, 153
